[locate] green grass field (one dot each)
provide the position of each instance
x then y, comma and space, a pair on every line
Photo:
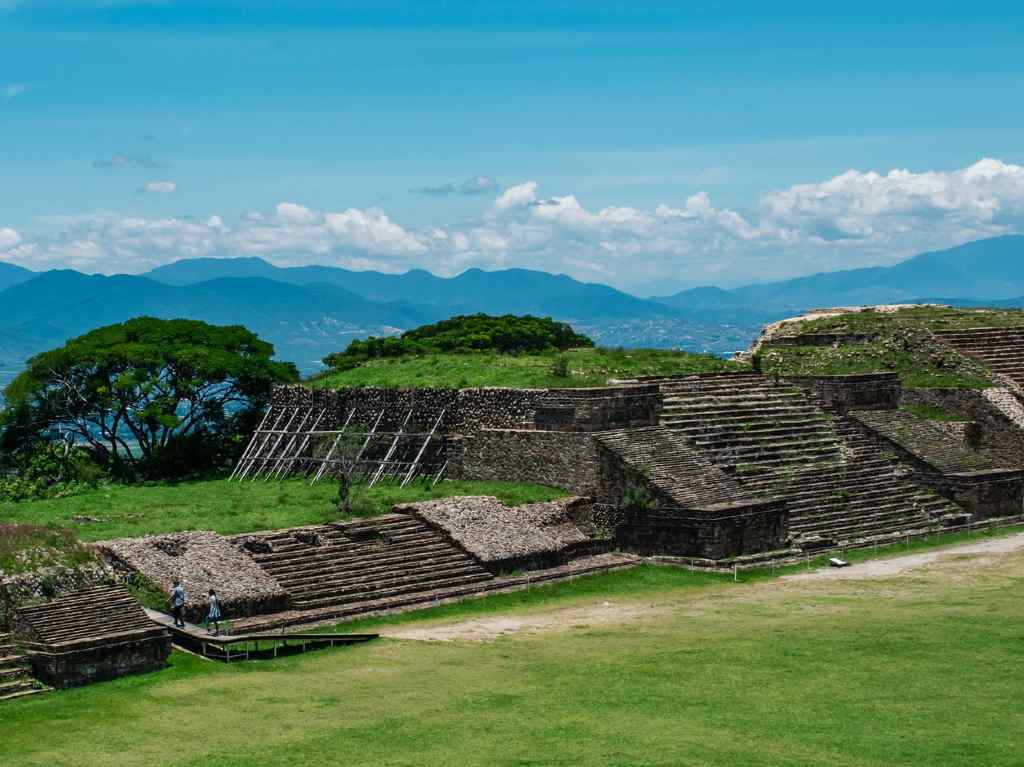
921, 669
588, 367
116, 511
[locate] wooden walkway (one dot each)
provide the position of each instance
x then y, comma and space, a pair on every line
227, 647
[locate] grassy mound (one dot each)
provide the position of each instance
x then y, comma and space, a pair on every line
582, 367
899, 341
120, 511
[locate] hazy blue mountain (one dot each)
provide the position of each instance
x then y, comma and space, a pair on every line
514, 291
12, 275
984, 270
305, 322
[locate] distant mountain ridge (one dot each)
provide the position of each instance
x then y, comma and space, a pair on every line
308, 312
983, 270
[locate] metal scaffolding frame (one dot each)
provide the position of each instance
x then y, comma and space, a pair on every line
292, 441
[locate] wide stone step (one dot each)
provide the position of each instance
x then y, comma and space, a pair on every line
366, 554
390, 524
344, 589
346, 575
388, 557
836, 518
382, 594
329, 550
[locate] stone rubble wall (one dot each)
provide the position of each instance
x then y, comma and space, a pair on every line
729, 532
506, 538
466, 411
861, 391
201, 561
567, 460
102, 662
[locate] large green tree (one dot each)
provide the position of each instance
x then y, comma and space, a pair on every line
155, 394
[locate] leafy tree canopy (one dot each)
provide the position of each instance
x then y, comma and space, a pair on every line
154, 394
509, 334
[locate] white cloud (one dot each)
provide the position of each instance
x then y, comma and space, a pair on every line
160, 187
8, 238
854, 219
518, 196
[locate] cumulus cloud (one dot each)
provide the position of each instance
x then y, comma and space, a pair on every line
854, 219
120, 161
160, 187
518, 196
471, 186
8, 238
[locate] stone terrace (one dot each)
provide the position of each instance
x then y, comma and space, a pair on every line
353, 567
926, 440
504, 537
90, 635
839, 485
1000, 349
679, 471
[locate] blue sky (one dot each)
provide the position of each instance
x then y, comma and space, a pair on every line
637, 144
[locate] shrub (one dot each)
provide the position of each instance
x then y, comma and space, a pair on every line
507, 334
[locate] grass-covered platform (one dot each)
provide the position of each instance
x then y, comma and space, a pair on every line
653, 666
121, 511
898, 341
583, 367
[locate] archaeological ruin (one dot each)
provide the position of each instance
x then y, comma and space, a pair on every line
703, 471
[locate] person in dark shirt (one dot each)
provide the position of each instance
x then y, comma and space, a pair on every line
178, 598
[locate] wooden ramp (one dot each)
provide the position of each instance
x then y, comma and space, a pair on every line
227, 647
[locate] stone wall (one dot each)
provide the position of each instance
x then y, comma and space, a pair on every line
998, 414
601, 409
101, 662
821, 339
861, 391
727, 532
465, 411
561, 459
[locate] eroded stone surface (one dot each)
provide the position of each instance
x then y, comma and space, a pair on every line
201, 560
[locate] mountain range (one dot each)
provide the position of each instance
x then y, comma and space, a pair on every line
983, 270
311, 311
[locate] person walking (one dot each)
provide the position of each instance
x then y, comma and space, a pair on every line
178, 604
213, 614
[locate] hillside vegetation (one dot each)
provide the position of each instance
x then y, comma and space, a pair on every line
900, 341
581, 367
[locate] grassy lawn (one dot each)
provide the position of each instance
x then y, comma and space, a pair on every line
588, 367
117, 511
923, 669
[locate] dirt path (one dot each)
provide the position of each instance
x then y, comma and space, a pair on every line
489, 628
885, 568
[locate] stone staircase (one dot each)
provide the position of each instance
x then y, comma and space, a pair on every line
1000, 349
16, 680
88, 617
673, 467
749, 425
839, 484
367, 565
